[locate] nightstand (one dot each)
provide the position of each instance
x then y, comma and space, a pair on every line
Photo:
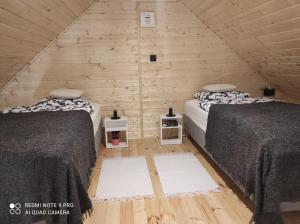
169, 124
119, 126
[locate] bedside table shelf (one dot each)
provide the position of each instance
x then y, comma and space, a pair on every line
178, 126
121, 145
171, 142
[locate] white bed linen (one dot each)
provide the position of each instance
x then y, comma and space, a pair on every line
96, 116
195, 113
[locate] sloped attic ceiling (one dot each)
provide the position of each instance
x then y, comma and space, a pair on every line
265, 33
28, 26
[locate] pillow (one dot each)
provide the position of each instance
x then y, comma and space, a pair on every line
55, 104
237, 95
66, 93
201, 95
197, 95
219, 87
229, 95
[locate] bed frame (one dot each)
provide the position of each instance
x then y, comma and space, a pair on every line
194, 131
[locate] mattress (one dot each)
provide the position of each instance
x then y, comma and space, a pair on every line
96, 116
195, 113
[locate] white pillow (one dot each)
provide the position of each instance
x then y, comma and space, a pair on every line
219, 87
66, 93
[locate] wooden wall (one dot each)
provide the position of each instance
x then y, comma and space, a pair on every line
189, 56
28, 26
266, 33
106, 53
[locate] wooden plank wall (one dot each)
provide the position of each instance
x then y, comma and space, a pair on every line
266, 33
106, 53
189, 56
99, 54
28, 26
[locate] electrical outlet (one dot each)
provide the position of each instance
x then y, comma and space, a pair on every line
152, 57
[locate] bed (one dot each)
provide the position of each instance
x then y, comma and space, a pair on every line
47, 153
95, 111
198, 122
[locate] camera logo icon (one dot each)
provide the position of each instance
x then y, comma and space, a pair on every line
15, 209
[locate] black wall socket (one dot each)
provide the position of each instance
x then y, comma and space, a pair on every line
152, 57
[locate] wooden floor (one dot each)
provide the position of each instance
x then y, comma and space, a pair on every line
226, 206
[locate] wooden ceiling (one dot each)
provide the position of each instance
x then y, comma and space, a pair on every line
27, 26
265, 33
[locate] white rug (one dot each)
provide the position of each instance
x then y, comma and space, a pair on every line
124, 178
182, 173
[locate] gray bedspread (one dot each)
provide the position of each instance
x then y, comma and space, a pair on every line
45, 157
258, 146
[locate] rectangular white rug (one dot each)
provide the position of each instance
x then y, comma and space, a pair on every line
124, 178
182, 173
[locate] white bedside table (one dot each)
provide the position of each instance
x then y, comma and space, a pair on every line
172, 141
120, 125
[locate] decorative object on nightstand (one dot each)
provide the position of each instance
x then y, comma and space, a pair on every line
114, 128
115, 115
268, 92
170, 114
171, 123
